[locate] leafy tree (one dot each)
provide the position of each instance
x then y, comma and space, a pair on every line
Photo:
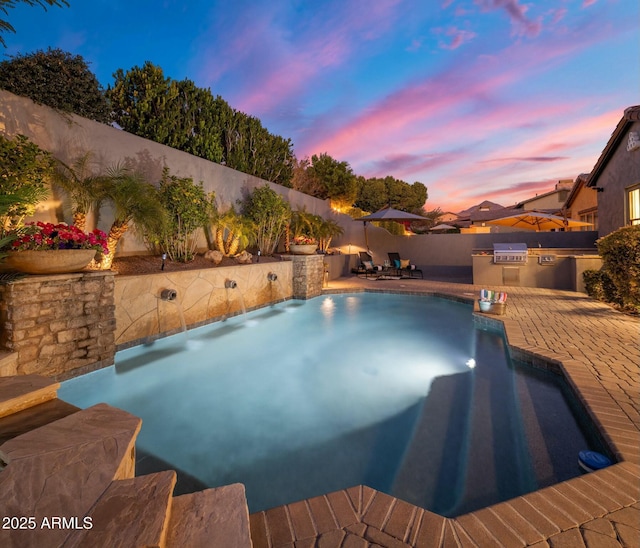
335, 179
188, 208
181, 115
133, 199
375, 193
57, 79
25, 172
250, 148
6, 4
176, 114
372, 194
270, 214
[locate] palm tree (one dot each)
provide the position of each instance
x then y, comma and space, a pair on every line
134, 200
85, 190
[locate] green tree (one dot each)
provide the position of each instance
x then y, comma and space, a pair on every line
6, 4
133, 199
372, 194
176, 114
83, 188
181, 115
25, 173
269, 212
335, 179
57, 79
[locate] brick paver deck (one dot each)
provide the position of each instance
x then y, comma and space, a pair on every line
598, 351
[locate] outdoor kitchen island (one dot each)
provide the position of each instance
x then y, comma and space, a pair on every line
516, 265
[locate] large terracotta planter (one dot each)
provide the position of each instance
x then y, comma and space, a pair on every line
303, 249
49, 261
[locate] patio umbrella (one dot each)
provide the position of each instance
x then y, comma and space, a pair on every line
442, 226
535, 220
388, 214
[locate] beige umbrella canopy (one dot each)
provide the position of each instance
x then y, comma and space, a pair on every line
538, 221
388, 214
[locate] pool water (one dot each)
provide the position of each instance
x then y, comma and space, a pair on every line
402, 393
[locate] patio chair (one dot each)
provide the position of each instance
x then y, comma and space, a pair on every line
404, 267
367, 267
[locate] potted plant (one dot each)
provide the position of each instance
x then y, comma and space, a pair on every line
47, 248
303, 245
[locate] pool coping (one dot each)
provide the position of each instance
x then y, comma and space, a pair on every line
576, 511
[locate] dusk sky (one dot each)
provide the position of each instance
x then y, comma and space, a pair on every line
477, 99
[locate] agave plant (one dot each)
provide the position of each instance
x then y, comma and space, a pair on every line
232, 232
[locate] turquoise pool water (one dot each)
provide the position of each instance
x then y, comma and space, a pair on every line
401, 393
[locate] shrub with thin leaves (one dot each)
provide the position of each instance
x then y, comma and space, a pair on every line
599, 285
620, 252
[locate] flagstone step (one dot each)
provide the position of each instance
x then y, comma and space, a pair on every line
131, 512
34, 417
210, 518
62, 468
23, 391
8, 363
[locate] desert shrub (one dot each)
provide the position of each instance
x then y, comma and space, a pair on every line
188, 208
620, 252
269, 212
599, 285
25, 172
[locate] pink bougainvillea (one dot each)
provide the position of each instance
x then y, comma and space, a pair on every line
40, 236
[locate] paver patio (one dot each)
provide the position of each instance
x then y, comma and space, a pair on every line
598, 351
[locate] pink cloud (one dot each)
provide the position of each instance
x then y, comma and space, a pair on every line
458, 38
516, 13
588, 3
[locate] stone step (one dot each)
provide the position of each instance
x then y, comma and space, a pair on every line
20, 392
211, 518
8, 363
62, 468
34, 417
132, 512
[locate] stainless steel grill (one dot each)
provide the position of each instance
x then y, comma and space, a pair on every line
510, 253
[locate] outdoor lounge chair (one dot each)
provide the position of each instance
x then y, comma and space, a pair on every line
404, 267
367, 266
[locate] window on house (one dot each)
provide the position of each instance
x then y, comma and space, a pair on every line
633, 205
589, 216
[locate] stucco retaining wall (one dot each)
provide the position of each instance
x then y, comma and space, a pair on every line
201, 297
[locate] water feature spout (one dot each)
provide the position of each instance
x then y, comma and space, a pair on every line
272, 276
230, 284
168, 295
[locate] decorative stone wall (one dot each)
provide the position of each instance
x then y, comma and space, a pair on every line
58, 323
308, 275
201, 297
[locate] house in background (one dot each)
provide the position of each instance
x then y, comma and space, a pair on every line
616, 176
549, 202
473, 220
582, 204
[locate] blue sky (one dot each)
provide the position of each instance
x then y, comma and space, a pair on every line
476, 99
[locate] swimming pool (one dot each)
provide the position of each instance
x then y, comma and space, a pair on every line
402, 393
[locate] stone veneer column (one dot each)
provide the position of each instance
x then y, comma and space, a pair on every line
308, 272
57, 323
